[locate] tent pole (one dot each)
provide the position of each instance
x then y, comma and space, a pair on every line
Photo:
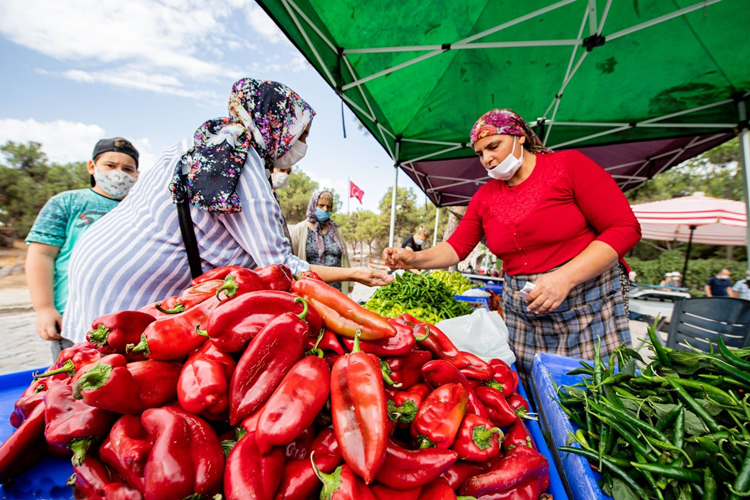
687, 254
437, 221
393, 204
744, 140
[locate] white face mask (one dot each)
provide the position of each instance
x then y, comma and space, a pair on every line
723, 276
115, 183
280, 180
292, 157
418, 242
507, 168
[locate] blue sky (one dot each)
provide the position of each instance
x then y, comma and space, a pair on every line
152, 71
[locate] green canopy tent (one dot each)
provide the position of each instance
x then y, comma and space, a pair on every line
661, 77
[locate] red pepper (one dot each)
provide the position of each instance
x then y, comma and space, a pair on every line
23, 408
112, 333
500, 411
341, 314
24, 447
90, 477
505, 376
131, 388
439, 418
276, 277
265, 363
406, 469
298, 481
151, 309
436, 342
127, 449
509, 473
189, 298
403, 405
400, 345
217, 273
438, 490
300, 448
203, 385
72, 361
234, 324
174, 337
461, 471
250, 474
239, 282
520, 406
120, 491
71, 424
438, 372
294, 405
326, 342
478, 440
359, 412
308, 274
407, 370
384, 493
341, 485
478, 369
531, 489
34, 394
518, 435
186, 457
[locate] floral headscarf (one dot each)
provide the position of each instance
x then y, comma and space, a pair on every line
263, 115
332, 226
506, 121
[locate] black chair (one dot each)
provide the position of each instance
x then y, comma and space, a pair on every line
700, 320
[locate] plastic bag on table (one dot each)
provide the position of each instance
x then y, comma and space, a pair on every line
475, 292
482, 333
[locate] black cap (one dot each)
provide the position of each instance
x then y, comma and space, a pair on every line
106, 145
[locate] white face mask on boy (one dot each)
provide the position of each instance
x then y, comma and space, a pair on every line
115, 183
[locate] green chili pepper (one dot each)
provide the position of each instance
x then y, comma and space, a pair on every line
627, 435
680, 474
742, 481
730, 358
697, 408
611, 464
710, 488
669, 417
625, 417
661, 353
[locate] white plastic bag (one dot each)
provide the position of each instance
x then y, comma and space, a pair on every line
482, 333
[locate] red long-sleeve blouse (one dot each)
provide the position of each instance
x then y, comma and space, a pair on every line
567, 202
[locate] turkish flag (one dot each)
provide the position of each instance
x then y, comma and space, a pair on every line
355, 192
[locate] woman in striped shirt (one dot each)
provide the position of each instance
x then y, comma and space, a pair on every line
135, 255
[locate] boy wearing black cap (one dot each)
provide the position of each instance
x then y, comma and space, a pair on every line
62, 221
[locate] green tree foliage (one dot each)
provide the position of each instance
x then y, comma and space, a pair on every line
28, 180
295, 198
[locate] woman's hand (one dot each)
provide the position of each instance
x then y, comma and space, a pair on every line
48, 324
399, 258
371, 277
550, 291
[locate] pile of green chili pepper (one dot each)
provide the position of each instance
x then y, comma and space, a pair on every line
419, 295
676, 429
457, 283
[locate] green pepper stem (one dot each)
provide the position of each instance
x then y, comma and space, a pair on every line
92, 379
98, 336
424, 442
331, 482
385, 369
356, 342
305, 308
202, 333
424, 337
178, 308
142, 346
68, 367
79, 447
229, 287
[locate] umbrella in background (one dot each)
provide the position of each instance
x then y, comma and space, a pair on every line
697, 218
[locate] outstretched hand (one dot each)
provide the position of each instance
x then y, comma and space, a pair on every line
371, 277
399, 258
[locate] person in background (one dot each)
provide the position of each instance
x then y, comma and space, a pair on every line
671, 280
318, 239
632, 277
741, 289
719, 285
676, 279
494, 271
113, 170
416, 240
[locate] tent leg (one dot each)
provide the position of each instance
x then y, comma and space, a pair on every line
393, 205
687, 254
744, 140
437, 221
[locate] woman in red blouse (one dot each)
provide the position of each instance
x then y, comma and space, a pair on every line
558, 221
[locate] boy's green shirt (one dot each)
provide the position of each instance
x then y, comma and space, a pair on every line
60, 223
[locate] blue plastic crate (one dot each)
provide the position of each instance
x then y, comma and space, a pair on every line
47, 479
475, 301
496, 289
580, 480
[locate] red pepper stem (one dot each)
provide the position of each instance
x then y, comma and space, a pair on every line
142, 346
202, 333
466, 498
315, 351
92, 379
68, 367
178, 308
404, 413
385, 369
522, 413
494, 384
305, 308
424, 337
424, 442
229, 287
79, 447
72, 481
331, 482
482, 437
356, 342
99, 336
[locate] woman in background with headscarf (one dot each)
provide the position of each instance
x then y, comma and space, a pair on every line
318, 239
561, 226
136, 256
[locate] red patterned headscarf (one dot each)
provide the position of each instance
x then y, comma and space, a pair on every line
506, 121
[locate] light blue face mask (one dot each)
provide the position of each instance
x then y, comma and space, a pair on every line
322, 215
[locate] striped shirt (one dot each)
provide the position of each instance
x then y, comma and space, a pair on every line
135, 255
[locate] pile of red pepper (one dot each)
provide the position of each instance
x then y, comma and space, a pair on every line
260, 384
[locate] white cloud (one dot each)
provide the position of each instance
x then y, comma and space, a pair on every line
65, 141
263, 24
